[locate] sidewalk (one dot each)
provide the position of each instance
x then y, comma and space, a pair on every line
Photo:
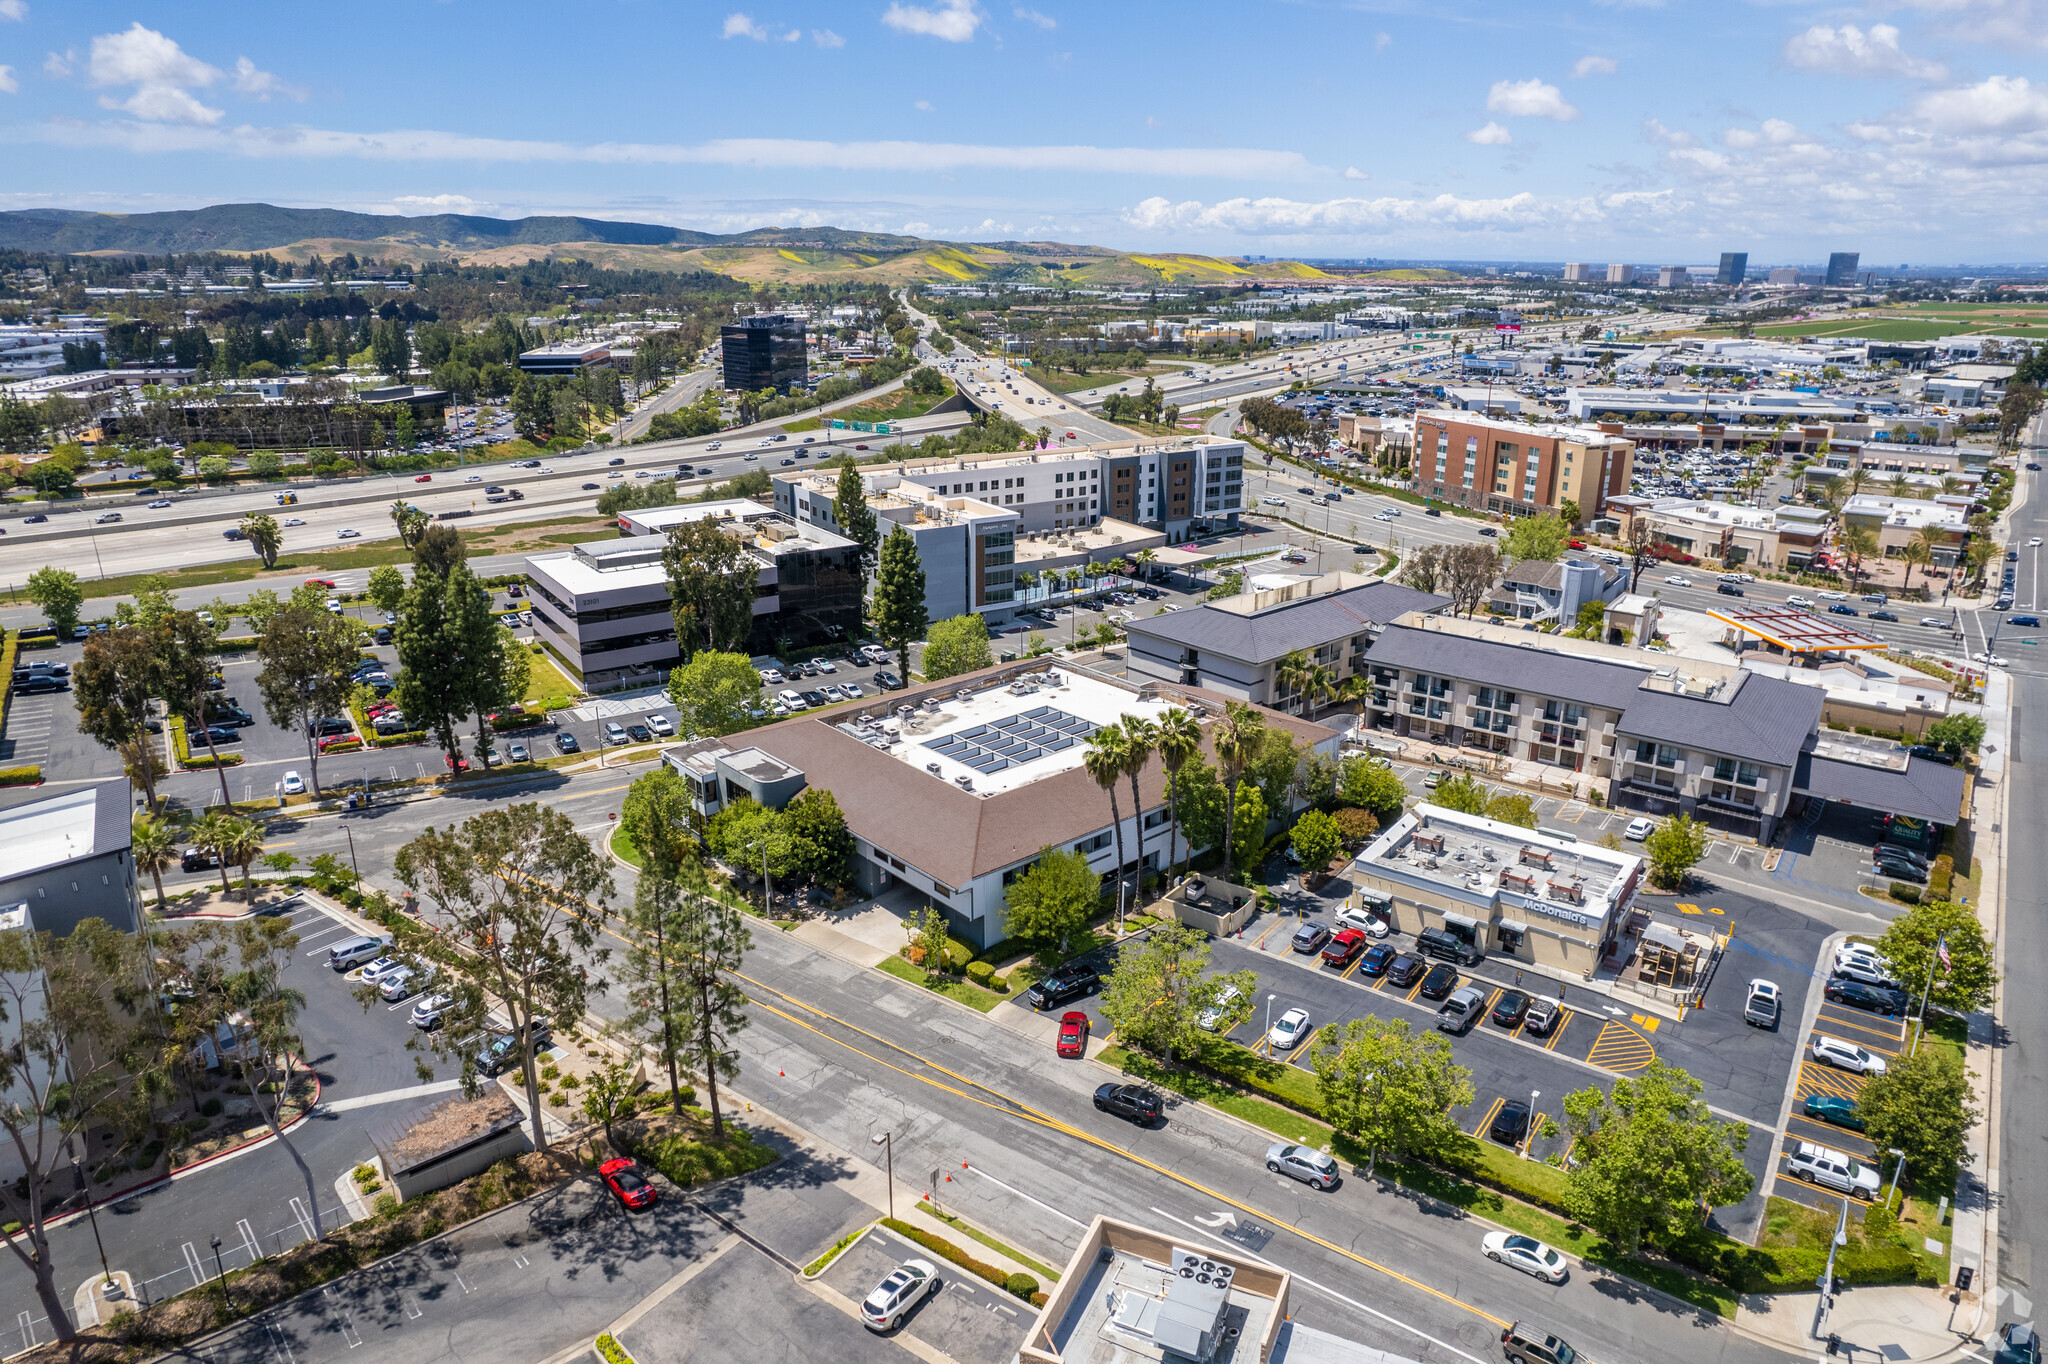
1895, 1324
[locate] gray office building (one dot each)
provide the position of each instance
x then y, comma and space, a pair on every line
1842, 269
66, 857
766, 351
1734, 266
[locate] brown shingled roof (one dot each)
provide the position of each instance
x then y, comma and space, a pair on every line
953, 835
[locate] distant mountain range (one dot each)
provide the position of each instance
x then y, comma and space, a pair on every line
793, 255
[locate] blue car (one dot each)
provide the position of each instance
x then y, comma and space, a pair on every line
1840, 610
2033, 621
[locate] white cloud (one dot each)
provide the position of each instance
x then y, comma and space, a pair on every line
1740, 137
442, 203
740, 24
923, 106
1999, 104
57, 66
1531, 98
1655, 130
1778, 132
752, 153
953, 22
261, 84
825, 37
16, 10
1381, 217
1492, 135
8, 84
161, 72
1032, 16
1354, 173
1382, 40
1594, 66
2007, 23
795, 35
1851, 51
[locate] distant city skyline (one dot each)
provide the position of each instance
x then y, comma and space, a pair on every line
1476, 131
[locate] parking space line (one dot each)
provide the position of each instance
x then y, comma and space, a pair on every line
1818, 1079
1557, 1033
1891, 1036
1830, 1133
1818, 1032
1418, 987
1485, 1121
1494, 998
1830, 1193
197, 1270
1352, 969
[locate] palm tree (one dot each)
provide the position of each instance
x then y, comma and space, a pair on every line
1980, 554
242, 841
1900, 486
1291, 674
409, 520
211, 833
1950, 485
1144, 559
1180, 739
263, 536
1856, 480
1107, 750
1238, 736
1321, 684
1913, 552
155, 845
1858, 542
1141, 737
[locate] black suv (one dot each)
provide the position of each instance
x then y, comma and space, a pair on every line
1405, 970
1876, 998
1135, 1102
1068, 982
1445, 945
1510, 1124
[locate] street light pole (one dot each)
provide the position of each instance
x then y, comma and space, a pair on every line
888, 1144
352, 856
221, 1270
1529, 1136
1898, 1164
1269, 1016
107, 1275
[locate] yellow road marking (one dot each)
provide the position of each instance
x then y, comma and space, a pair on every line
1890, 1036
1557, 1029
1825, 1193
1483, 1122
1647, 1022
1620, 1048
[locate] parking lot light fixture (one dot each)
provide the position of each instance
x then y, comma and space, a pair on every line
1269, 1014
888, 1144
1529, 1133
1898, 1164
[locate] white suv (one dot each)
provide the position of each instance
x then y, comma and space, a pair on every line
1846, 1056
1818, 1164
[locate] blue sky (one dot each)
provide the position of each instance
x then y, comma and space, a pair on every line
1914, 131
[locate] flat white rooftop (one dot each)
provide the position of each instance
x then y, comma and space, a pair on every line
48, 832
1481, 861
998, 738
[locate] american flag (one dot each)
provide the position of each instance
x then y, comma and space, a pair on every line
1941, 950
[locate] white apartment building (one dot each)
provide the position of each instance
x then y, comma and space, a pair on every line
1577, 272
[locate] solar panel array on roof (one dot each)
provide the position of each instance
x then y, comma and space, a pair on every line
1014, 739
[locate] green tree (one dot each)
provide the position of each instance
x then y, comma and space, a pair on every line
154, 843
518, 898
1907, 948
431, 689
1156, 993
56, 590
185, 661
437, 550
264, 537
1372, 785
711, 579
1649, 1160
68, 1048
1921, 1106
656, 991
1388, 1089
856, 519
1463, 793
929, 940
1316, 840
1535, 537
386, 588
1511, 807
1674, 849
658, 816
482, 653
215, 469
1236, 739
309, 660
1592, 616
955, 646
115, 681
1248, 835
714, 693
1956, 734
898, 610
820, 844
1053, 899
611, 1096
265, 464
1569, 511
410, 521
1108, 751
1179, 740
1200, 802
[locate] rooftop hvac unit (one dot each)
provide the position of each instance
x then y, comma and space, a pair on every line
1202, 1269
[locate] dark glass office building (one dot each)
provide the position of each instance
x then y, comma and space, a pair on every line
764, 352
1842, 269
1734, 266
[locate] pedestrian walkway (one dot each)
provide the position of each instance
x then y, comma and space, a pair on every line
625, 703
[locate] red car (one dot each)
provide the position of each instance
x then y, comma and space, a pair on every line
424, 478
455, 764
1073, 1034
1342, 948
622, 1177
320, 582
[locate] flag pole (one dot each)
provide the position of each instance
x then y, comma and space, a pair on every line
1933, 960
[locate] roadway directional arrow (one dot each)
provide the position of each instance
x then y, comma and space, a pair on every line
1221, 1219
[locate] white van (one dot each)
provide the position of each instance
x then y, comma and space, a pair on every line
1817, 1164
353, 952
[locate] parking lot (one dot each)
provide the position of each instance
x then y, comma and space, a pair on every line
967, 1318
1875, 1034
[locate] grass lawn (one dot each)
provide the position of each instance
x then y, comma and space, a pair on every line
623, 845
1062, 382
1046, 1273
965, 991
549, 679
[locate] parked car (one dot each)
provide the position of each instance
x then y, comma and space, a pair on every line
1342, 947
1833, 1109
1134, 1102
1363, 918
1067, 982
627, 1184
396, 985
427, 1014
1525, 1253
1817, 1164
519, 753
909, 1284
1405, 970
660, 724
353, 952
1833, 1051
1760, 1007
1878, 999
293, 784
1212, 1017
1317, 1169
1288, 1030
566, 742
1510, 1009
1511, 1123
381, 967
1073, 1035
1310, 937
1526, 1344
614, 732
1543, 1015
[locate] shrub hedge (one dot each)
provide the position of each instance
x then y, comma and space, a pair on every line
20, 776
939, 1245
